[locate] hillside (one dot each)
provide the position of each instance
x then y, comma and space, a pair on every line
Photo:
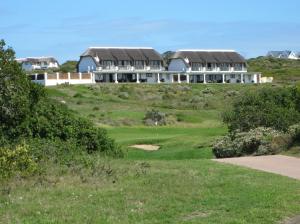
176, 184
283, 70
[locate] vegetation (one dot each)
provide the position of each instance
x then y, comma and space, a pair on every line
68, 66
27, 114
283, 70
258, 141
274, 107
55, 173
155, 117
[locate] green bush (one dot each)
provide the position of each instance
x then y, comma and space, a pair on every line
55, 121
276, 107
294, 131
16, 161
155, 118
259, 141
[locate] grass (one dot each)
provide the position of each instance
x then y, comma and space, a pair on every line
186, 191
177, 184
176, 143
283, 70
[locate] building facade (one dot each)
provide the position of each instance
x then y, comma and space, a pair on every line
125, 64
284, 54
211, 66
38, 63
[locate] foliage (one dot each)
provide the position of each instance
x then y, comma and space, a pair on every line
154, 117
14, 90
68, 66
16, 161
258, 141
275, 107
280, 69
54, 120
294, 131
26, 112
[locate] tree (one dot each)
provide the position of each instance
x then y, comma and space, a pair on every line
276, 107
14, 90
68, 66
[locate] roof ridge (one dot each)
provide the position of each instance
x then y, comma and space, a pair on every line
121, 48
208, 50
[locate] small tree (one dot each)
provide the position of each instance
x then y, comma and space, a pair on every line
14, 90
277, 108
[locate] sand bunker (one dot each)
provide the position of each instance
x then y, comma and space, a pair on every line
146, 147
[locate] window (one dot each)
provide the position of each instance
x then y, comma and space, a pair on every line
149, 76
139, 62
232, 76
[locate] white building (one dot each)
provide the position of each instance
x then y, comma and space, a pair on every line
211, 66
38, 63
123, 64
146, 65
284, 54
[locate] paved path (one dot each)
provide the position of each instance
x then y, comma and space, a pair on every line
283, 165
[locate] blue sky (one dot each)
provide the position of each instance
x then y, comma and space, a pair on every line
65, 28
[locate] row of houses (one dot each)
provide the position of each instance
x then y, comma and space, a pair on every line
38, 63
146, 65
284, 54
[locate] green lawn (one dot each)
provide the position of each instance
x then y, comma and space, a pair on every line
177, 184
182, 191
176, 143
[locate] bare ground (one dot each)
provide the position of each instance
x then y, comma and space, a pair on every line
146, 147
283, 165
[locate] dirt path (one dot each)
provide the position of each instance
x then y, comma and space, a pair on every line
283, 165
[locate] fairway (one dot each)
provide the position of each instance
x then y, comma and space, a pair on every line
175, 143
176, 184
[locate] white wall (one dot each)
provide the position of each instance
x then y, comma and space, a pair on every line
86, 64
177, 65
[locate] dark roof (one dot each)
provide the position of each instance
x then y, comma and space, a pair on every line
199, 56
279, 54
118, 54
38, 59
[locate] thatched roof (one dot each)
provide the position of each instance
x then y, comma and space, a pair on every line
37, 59
202, 56
120, 54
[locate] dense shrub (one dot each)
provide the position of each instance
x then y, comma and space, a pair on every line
155, 118
294, 131
259, 141
26, 112
55, 121
276, 107
16, 161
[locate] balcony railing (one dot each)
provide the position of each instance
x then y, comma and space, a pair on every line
130, 68
224, 69
197, 68
154, 67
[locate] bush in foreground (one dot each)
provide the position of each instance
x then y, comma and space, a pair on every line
17, 160
258, 141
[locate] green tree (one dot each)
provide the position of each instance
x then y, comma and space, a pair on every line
68, 66
14, 90
276, 107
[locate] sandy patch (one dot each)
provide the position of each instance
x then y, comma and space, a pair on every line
295, 220
146, 147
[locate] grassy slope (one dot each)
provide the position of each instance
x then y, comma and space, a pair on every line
177, 184
186, 191
281, 69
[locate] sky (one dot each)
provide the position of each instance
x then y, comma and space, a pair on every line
66, 28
